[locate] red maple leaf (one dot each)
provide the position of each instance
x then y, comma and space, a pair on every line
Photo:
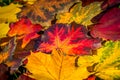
70, 39
25, 30
109, 26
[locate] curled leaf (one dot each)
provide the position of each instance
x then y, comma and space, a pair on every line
71, 39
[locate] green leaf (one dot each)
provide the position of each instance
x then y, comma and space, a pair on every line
106, 64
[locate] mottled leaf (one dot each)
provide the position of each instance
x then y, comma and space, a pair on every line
79, 14
55, 66
109, 26
43, 11
25, 30
8, 13
106, 64
71, 39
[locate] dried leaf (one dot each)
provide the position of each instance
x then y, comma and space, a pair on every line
79, 14
8, 13
108, 26
55, 66
71, 39
25, 30
44, 11
4, 28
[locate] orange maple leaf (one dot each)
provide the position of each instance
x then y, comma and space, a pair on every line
25, 30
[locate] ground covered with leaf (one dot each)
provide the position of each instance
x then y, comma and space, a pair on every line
59, 39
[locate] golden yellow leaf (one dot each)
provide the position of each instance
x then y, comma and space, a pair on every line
79, 14
30, 1
55, 66
4, 28
8, 13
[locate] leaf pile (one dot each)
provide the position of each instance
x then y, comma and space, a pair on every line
60, 40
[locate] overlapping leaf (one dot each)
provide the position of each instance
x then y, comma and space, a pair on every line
55, 66
109, 26
79, 14
110, 3
8, 13
106, 64
71, 39
24, 29
43, 11
4, 28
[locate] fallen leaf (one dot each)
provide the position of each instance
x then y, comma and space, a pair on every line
4, 28
24, 77
8, 13
4, 72
71, 39
106, 64
30, 1
25, 30
110, 3
87, 2
108, 26
55, 66
43, 12
79, 14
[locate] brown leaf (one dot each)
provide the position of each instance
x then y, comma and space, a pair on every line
45, 10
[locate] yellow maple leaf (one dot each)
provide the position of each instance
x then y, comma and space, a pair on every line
4, 28
106, 64
8, 13
55, 66
79, 14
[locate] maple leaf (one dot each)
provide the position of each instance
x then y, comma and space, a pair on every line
8, 13
79, 14
71, 39
43, 11
106, 64
55, 66
24, 77
108, 26
24, 29
4, 28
